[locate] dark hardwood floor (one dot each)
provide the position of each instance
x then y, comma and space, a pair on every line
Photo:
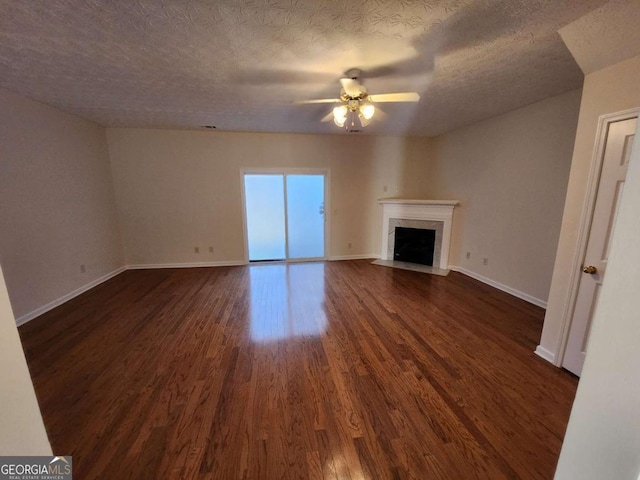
340, 370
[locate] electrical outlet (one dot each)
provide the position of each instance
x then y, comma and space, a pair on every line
485, 261
349, 245
468, 255
210, 249
83, 268
196, 249
384, 188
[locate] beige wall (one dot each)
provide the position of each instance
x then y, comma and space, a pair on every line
510, 172
180, 189
22, 431
58, 209
603, 436
609, 90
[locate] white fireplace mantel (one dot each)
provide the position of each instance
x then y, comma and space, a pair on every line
418, 209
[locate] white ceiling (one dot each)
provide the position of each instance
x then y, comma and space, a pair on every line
239, 64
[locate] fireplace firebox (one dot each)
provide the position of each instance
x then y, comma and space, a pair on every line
415, 245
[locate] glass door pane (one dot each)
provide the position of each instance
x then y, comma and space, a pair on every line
305, 216
264, 197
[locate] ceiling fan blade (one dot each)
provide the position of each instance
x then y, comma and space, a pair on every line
266, 76
395, 97
351, 87
327, 118
319, 100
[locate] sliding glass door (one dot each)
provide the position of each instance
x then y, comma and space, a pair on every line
305, 216
265, 217
285, 216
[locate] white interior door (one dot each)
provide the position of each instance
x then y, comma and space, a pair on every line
614, 171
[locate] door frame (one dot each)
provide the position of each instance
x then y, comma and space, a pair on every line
287, 171
586, 219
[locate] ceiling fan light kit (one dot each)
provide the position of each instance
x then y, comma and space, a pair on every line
356, 109
353, 114
367, 110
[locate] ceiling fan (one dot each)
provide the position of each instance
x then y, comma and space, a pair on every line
355, 107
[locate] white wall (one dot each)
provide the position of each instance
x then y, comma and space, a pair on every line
180, 189
603, 436
58, 208
22, 431
510, 173
612, 89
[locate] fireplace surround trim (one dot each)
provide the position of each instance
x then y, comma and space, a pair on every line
418, 209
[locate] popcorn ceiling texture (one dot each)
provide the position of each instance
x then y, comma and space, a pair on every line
240, 64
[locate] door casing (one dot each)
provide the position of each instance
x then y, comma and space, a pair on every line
585, 224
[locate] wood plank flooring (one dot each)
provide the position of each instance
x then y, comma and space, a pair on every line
340, 370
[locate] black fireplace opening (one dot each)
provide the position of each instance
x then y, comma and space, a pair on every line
414, 245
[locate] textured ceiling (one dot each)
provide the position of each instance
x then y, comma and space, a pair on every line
605, 36
239, 64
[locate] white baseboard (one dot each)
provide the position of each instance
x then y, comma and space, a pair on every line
512, 291
371, 256
234, 263
546, 354
65, 298
225, 263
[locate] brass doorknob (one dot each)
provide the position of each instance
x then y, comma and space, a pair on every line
590, 269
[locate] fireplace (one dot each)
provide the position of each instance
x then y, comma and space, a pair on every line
426, 223
415, 245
